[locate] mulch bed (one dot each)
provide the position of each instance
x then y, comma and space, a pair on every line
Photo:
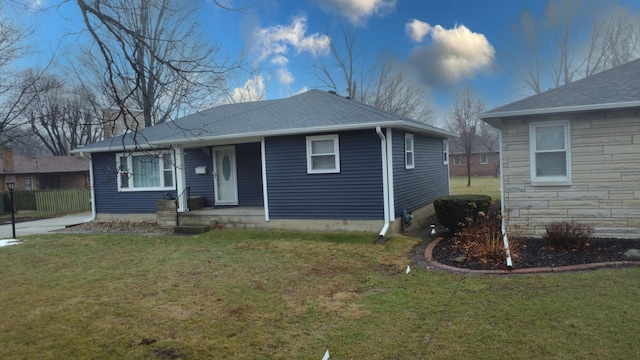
533, 253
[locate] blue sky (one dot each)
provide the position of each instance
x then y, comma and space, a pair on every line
447, 43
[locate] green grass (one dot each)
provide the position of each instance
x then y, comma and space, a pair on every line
479, 185
278, 295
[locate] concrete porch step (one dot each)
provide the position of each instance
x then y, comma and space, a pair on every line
191, 229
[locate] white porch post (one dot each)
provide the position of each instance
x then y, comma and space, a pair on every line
181, 181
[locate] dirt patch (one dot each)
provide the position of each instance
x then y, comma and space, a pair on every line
116, 227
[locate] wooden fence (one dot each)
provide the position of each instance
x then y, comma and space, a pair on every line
51, 202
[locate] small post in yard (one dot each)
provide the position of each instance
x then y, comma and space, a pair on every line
11, 186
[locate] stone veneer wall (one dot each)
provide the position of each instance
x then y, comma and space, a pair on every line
605, 192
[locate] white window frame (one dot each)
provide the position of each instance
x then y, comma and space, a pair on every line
445, 151
335, 154
409, 151
549, 180
129, 165
457, 160
486, 158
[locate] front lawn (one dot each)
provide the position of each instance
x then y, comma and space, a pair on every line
276, 295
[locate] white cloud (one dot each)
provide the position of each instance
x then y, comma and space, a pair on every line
274, 43
358, 12
252, 90
452, 55
417, 30
285, 77
279, 60
277, 40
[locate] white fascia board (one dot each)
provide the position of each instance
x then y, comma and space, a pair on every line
256, 136
557, 110
241, 137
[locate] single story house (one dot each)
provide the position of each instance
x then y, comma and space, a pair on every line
313, 161
43, 172
485, 158
573, 153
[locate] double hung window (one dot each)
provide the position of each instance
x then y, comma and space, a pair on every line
145, 171
550, 153
409, 154
323, 154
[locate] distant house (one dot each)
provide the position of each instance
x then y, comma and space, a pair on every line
573, 153
44, 172
314, 161
485, 158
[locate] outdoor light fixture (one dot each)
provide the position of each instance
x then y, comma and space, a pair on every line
11, 185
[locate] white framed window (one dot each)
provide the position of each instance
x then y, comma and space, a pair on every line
323, 154
28, 184
145, 171
550, 154
409, 154
445, 151
484, 159
457, 159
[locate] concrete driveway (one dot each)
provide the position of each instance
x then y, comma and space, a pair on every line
42, 226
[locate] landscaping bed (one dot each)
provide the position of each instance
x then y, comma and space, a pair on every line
533, 253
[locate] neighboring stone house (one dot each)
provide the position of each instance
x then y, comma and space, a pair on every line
43, 172
573, 153
485, 158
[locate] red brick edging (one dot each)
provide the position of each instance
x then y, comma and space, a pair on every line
428, 254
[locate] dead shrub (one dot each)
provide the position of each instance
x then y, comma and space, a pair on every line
567, 235
482, 239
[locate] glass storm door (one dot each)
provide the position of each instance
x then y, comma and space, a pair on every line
224, 176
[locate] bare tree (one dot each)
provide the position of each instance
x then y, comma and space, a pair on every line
572, 39
385, 83
615, 40
60, 117
153, 57
14, 90
463, 120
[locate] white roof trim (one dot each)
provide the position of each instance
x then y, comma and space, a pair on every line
229, 137
563, 109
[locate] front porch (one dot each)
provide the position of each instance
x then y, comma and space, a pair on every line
227, 218
253, 218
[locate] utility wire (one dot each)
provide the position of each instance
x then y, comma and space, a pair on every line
444, 311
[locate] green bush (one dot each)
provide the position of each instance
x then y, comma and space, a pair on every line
452, 211
568, 235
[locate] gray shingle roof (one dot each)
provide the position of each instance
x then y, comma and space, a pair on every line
614, 88
312, 111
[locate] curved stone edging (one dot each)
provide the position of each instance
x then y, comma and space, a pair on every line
428, 254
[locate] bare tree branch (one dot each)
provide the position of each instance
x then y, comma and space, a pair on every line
463, 120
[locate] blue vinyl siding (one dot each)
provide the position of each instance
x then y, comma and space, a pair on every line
200, 184
354, 193
111, 201
249, 171
414, 188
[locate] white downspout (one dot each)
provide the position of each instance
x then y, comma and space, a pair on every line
92, 188
505, 237
265, 196
385, 190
